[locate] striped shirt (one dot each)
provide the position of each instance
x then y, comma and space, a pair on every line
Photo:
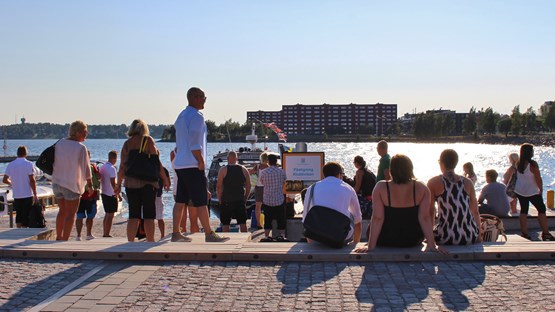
273, 178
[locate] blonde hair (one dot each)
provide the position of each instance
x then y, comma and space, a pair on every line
138, 127
76, 127
513, 158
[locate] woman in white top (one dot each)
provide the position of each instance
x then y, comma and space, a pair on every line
513, 160
528, 188
71, 172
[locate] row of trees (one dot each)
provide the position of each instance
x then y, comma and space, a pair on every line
425, 125
485, 121
54, 131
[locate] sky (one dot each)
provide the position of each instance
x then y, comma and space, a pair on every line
109, 62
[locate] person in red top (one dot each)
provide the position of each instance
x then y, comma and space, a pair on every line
87, 205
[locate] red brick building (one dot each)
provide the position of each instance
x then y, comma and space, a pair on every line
327, 118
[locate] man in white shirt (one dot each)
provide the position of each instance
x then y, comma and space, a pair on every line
108, 176
190, 163
333, 193
20, 175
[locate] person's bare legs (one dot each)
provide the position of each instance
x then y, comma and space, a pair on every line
202, 213
183, 223
60, 217
89, 224
107, 223
513, 205
177, 215
162, 227
66, 218
79, 226
193, 220
542, 220
132, 226
149, 229
243, 227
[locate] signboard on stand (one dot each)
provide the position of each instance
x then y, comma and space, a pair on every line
302, 170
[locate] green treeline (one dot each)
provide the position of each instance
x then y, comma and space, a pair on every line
486, 122
227, 131
424, 125
55, 131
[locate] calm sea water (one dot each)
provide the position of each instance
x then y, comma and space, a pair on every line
424, 156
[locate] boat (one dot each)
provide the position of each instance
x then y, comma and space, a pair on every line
246, 156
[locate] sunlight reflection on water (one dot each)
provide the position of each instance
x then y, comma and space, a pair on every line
423, 155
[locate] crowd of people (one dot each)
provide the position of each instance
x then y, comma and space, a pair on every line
404, 212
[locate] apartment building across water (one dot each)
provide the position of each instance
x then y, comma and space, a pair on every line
330, 118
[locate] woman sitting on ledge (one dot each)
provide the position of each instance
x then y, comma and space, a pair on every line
401, 215
458, 218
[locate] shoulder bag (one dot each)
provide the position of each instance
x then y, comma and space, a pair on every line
141, 165
326, 225
45, 162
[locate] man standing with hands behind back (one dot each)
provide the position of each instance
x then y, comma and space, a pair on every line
190, 163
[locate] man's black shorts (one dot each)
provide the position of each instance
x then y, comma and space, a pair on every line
233, 210
22, 206
110, 203
191, 186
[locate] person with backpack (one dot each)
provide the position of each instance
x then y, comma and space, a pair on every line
329, 203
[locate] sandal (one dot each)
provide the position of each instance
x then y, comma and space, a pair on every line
267, 240
526, 236
547, 237
281, 239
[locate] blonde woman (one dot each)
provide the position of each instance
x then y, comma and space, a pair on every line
141, 194
71, 174
513, 160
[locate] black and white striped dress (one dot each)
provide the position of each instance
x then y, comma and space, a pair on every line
455, 225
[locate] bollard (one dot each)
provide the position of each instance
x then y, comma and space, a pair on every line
550, 199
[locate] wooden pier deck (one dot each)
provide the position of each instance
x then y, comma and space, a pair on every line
33, 243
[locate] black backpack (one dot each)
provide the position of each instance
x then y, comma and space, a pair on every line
36, 216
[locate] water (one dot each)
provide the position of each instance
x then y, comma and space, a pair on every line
424, 157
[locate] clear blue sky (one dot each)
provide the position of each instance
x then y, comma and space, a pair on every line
108, 62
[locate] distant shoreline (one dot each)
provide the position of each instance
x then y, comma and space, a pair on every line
544, 139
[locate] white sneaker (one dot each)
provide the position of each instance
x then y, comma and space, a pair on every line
89, 237
78, 238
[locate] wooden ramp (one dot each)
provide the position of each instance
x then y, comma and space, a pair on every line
23, 243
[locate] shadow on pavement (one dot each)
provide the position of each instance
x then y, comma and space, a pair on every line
396, 286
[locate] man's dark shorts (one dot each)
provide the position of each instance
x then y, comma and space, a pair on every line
22, 206
110, 203
191, 186
233, 210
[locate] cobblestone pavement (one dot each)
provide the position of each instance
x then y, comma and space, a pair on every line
26, 283
256, 286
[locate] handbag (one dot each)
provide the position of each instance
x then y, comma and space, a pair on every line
326, 225
45, 162
141, 165
492, 227
510, 191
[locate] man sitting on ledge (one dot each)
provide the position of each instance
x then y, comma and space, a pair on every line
331, 212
